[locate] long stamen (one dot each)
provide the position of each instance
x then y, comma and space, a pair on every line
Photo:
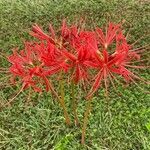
139, 48
139, 86
137, 67
137, 40
11, 100
139, 61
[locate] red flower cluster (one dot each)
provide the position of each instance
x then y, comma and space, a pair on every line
97, 57
75, 51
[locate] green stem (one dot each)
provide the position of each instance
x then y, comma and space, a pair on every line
74, 104
85, 120
60, 99
62, 102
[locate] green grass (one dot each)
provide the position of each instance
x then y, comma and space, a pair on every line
121, 124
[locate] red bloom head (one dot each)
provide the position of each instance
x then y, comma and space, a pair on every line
113, 57
30, 65
78, 50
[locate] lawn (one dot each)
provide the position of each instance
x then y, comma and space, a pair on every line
122, 123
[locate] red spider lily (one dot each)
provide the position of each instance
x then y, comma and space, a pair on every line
70, 33
28, 67
86, 40
51, 57
79, 62
75, 51
50, 52
105, 63
38, 33
83, 43
78, 38
52, 38
116, 63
